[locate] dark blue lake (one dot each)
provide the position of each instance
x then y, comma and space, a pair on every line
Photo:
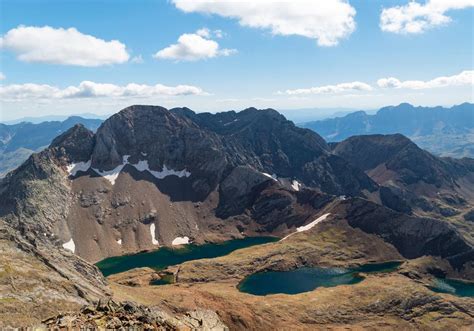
307, 279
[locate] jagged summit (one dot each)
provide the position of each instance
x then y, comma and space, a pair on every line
76, 143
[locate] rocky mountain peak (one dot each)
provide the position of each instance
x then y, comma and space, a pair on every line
368, 151
76, 143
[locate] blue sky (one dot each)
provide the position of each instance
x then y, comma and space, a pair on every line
260, 65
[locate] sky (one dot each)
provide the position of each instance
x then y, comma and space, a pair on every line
70, 56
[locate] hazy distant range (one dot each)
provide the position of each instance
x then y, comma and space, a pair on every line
442, 131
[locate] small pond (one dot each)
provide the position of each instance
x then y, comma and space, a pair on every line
164, 257
307, 279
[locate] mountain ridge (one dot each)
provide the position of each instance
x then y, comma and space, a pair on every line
444, 131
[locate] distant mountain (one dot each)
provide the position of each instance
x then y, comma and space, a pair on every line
314, 114
444, 131
51, 118
19, 141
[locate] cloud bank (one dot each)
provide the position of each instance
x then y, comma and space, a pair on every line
326, 21
88, 89
62, 46
328, 89
464, 78
417, 18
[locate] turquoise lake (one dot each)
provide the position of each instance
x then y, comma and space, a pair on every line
164, 257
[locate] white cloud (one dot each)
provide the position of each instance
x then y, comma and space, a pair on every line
2, 76
62, 46
219, 34
463, 78
87, 89
326, 21
193, 47
329, 89
204, 32
417, 18
137, 59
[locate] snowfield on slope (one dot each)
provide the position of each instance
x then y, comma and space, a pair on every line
112, 175
309, 225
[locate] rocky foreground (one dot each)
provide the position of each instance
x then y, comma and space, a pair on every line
108, 314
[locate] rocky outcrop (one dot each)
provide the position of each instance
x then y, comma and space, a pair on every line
38, 279
108, 314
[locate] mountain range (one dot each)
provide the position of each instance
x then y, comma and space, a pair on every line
443, 131
150, 177
18, 141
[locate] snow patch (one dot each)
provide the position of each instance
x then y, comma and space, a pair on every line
312, 224
229, 123
274, 177
308, 226
143, 153
152, 232
295, 185
143, 166
70, 245
169, 172
180, 241
73, 168
112, 175
119, 241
